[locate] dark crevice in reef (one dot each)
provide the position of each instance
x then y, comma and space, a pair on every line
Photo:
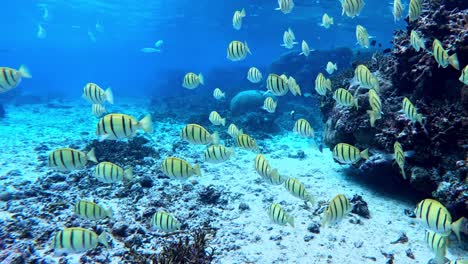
438, 167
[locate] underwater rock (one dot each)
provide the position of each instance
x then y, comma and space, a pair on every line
209, 195
189, 249
360, 206
247, 102
244, 206
2, 111
314, 228
402, 239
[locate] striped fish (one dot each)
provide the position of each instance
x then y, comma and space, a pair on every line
237, 50
237, 19
438, 244
218, 154
322, 84
192, 80
179, 168
415, 8
197, 134
345, 98
218, 94
96, 95
346, 153
233, 131
297, 189
376, 107
294, 88
277, 85
337, 209
437, 218
288, 39
261, 166
274, 178
76, 239
327, 21
108, 172
464, 76
216, 119
92, 211
67, 159
305, 49
279, 216
362, 36
442, 57
164, 222
269, 105
285, 6
303, 128
416, 41
120, 126
397, 10
411, 112
365, 78
254, 75
399, 156
246, 142
98, 110
352, 8
11, 78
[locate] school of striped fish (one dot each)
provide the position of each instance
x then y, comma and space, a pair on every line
435, 218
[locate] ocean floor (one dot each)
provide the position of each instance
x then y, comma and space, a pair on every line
36, 201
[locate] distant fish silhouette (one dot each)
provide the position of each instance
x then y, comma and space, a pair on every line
99, 27
41, 32
150, 50
159, 44
91, 36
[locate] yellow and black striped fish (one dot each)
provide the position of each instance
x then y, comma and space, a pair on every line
362, 36
337, 209
192, 80
345, 98
277, 85
91, 210
279, 216
237, 50
352, 8
216, 119
233, 131
246, 142
285, 6
438, 244
297, 189
269, 105
365, 78
261, 166
98, 110
294, 88
416, 41
346, 153
67, 159
165, 222
10, 78
218, 153
96, 95
322, 84
197, 134
179, 168
442, 57
108, 172
237, 19
288, 39
437, 218
397, 10
121, 126
399, 156
327, 21
303, 128
376, 107
254, 75
464, 76
76, 239
411, 112
218, 94
415, 8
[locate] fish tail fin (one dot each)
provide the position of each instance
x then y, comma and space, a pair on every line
223, 121
274, 173
202, 79
197, 171
247, 47
335, 66
324, 221
110, 213
109, 95
291, 221
103, 239
419, 118
453, 60
456, 227
24, 71
332, 21
241, 131
355, 102
403, 173
215, 138
329, 87
311, 199
232, 151
365, 154
372, 117
91, 156
129, 173
146, 124
242, 12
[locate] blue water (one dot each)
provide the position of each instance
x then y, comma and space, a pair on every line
195, 34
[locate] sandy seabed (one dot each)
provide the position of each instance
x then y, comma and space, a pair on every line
243, 236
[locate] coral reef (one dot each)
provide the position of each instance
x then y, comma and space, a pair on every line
437, 167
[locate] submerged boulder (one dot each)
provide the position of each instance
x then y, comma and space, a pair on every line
247, 101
